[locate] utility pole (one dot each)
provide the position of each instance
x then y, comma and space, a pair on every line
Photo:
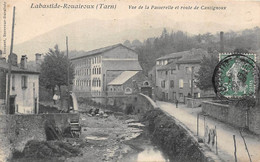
192, 75
68, 74
67, 50
10, 67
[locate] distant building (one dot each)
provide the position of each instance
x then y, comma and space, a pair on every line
96, 68
126, 86
174, 73
24, 86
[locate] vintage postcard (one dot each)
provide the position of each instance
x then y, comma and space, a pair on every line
129, 81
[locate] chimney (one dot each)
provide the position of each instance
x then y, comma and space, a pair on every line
221, 41
13, 59
38, 59
23, 62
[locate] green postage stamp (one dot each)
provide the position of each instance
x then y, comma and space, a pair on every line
236, 76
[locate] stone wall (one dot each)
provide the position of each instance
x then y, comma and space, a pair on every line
195, 102
235, 115
216, 110
254, 120
175, 139
17, 130
143, 104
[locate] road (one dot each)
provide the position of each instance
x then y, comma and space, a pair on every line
225, 132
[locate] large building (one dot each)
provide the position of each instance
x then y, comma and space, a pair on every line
125, 87
173, 75
96, 68
24, 87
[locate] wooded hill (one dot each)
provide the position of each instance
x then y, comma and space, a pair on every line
170, 42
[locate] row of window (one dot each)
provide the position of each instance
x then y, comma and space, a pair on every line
96, 82
181, 84
88, 61
82, 72
167, 72
96, 93
83, 83
24, 82
188, 70
162, 62
85, 72
116, 89
96, 70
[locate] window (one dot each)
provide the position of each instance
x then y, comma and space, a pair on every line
180, 94
181, 83
24, 82
13, 82
146, 83
172, 71
172, 83
166, 72
128, 90
197, 95
163, 84
188, 69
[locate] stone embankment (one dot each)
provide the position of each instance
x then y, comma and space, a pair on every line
175, 139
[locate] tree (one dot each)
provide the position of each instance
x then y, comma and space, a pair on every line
54, 69
205, 73
127, 43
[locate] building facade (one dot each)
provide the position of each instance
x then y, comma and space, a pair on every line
24, 87
124, 89
94, 69
175, 75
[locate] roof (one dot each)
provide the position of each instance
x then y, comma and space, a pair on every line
195, 56
169, 66
80, 54
123, 77
125, 65
174, 55
16, 69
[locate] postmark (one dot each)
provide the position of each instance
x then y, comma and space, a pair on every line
236, 76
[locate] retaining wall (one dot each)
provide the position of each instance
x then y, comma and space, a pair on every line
176, 139
172, 135
195, 102
234, 115
143, 103
17, 130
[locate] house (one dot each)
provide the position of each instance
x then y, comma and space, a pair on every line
174, 75
94, 69
24, 86
126, 86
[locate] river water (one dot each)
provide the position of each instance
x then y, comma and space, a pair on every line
151, 153
145, 150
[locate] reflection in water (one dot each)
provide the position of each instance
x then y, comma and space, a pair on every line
150, 153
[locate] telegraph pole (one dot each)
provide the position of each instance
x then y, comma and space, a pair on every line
10, 66
192, 75
67, 50
68, 73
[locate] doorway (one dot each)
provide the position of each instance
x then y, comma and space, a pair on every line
12, 105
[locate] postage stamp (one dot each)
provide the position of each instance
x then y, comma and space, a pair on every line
236, 76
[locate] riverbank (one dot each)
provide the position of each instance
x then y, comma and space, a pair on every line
175, 139
116, 137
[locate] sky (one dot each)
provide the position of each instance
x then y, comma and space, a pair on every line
32, 23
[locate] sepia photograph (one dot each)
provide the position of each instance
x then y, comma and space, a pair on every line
129, 81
